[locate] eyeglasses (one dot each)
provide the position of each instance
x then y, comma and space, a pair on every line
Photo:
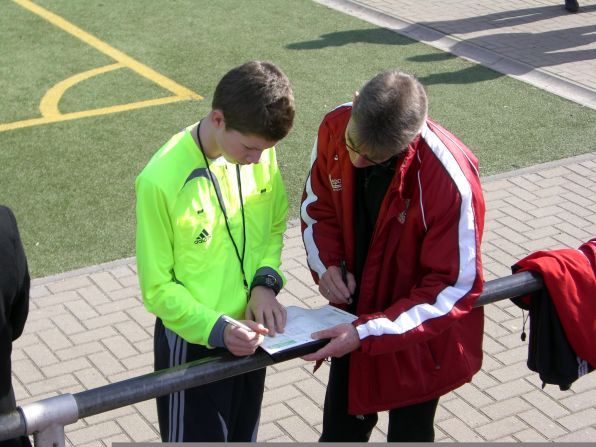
350, 147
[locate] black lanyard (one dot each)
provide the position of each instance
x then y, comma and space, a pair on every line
223, 210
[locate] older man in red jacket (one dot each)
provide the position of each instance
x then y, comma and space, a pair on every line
392, 220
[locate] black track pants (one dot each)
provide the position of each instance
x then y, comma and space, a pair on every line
414, 423
224, 411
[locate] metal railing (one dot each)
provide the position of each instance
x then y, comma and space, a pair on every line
45, 419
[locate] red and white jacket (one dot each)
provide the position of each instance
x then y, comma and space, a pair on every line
420, 337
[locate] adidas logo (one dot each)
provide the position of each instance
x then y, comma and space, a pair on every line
203, 237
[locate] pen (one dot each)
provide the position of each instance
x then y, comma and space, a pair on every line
344, 276
236, 323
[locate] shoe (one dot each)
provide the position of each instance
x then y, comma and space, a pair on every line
571, 5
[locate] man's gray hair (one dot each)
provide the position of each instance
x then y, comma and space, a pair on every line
388, 113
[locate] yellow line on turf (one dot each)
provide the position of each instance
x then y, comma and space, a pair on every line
87, 113
118, 55
49, 103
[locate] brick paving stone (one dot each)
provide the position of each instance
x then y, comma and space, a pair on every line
577, 199
580, 401
574, 231
281, 379
127, 292
307, 410
148, 409
132, 331
137, 428
275, 411
314, 389
288, 364
69, 366
79, 350
547, 427
106, 363
81, 309
91, 378
118, 304
483, 380
578, 420
106, 320
269, 431
94, 432
506, 407
129, 373
489, 363
142, 317
54, 339
584, 383
94, 444
105, 281
511, 372
475, 397
26, 371
466, 413
529, 435
512, 341
109, 415
587, 434
41, 354
145, 346
491, 346
545, 403
38, 291
458, 431
509, 389
27, 339
138, 361
501, 428
119, 346
93, 295
122, 271
495, 314
514, 355
68, 284
280, 395
298, 429
129, 281
67, 323
93, 335
51, 385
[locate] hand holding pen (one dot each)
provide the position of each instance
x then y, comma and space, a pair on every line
337, 284
344, 278
243, 338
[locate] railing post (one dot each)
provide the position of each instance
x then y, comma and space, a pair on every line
46, 419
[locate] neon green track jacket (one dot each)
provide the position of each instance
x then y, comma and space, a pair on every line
188, 270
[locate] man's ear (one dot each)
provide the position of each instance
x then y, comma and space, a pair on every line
355, 97
217, 119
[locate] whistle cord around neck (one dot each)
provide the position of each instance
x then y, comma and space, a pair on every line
223, 210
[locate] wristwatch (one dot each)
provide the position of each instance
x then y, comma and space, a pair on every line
268, 281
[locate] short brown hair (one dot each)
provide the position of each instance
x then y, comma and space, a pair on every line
256, 99
388, 113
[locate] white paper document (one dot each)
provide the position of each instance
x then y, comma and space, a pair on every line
301, 323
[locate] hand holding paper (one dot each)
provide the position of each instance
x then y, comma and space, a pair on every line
344, 339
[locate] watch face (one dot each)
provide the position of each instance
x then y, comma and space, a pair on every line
270, 281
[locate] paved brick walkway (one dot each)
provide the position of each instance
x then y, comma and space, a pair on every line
88, 328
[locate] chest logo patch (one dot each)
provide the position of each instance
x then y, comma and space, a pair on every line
335, 183
203, 237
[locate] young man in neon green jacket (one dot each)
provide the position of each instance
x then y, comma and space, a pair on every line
211, 213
